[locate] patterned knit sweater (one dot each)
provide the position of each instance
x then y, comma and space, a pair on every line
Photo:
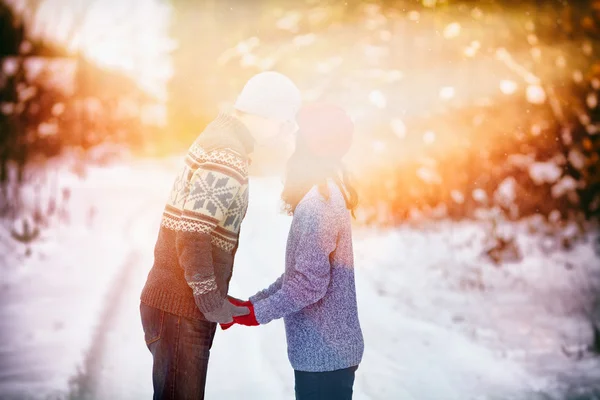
316, 295
198, 237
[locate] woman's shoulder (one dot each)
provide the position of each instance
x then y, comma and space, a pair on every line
316, 199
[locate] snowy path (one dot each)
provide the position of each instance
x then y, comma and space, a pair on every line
405, 358
426, 336
51, 300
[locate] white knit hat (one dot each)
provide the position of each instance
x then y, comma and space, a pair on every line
270, 95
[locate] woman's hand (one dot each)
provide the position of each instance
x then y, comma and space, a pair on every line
249, 319
238, 302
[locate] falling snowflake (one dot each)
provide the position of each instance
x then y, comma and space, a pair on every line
10, 66
289, 22
592, 100
47, 129
398, 127
476, 13
506, 192
554, 216
7, 108
429, 137
536, 129
587, 48
479, 195
508, 86
544, 172
25, 47
457, 196
428, 175
576, 158
452, 30
472, 49
58, 109
447, 93
304, 40
414, 15
248, 60
377, 99
532, 39
536, 94
584, 119
562, 187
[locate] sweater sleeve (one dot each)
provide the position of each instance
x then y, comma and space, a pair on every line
211, 193
263, 294
308, 279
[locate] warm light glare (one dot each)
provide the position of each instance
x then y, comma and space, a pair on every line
377, 99
446, 93
452, 30
536, 94
508, 86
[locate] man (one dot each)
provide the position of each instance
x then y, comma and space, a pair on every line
185, 295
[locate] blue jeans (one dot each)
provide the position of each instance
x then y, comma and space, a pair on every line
334, 385
180, 350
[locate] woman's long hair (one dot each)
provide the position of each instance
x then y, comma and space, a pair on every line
305, 170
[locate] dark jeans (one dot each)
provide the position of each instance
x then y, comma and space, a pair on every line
334, 385
180, 348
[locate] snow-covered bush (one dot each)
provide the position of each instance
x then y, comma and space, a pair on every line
54, 104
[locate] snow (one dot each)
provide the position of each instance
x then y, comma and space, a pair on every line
479, 195
544, 172
440, 321
506, 192
457, 196
565, 185
577, 159
398, 127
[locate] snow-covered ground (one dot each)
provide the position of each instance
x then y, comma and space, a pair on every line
440, 322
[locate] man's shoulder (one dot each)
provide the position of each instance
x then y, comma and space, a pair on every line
219, 156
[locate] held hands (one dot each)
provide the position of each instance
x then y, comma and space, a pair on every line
248, 319
226, 313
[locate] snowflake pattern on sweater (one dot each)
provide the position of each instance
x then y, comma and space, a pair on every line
209, 196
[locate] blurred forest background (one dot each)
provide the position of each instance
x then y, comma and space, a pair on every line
464, 109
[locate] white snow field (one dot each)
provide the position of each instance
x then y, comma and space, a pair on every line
440, 321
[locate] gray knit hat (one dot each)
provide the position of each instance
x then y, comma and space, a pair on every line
270, 95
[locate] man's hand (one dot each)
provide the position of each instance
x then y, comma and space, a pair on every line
225, 313
248, 319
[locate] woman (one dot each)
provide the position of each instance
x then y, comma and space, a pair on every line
316, 295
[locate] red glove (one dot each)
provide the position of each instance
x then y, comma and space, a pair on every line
247, 320
238, 302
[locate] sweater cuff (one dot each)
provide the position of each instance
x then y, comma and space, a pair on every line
256, 297
261, 312
209, 301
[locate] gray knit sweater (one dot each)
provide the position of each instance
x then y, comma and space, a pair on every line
316, 295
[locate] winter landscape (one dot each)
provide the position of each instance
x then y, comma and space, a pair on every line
438, 325
477, 249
